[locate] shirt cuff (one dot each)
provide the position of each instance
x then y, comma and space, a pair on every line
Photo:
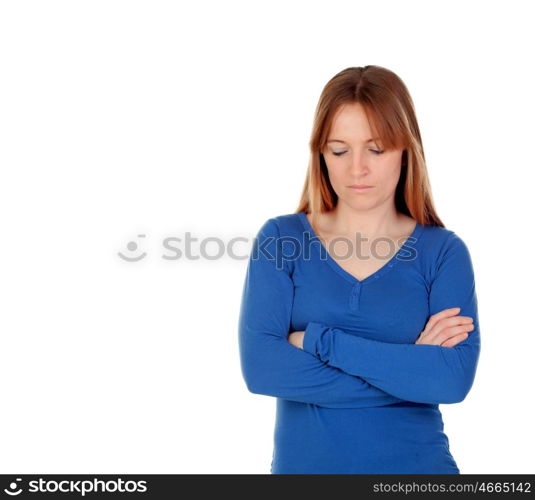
311, 337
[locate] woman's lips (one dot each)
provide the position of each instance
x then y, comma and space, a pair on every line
358, 188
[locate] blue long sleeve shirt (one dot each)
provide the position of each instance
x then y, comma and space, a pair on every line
360, 397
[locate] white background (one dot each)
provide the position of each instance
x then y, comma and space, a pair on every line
121, 118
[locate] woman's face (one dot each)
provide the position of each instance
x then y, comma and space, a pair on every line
352, 158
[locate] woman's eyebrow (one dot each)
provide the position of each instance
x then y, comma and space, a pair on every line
344, 142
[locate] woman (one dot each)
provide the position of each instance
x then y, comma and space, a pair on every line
360, 350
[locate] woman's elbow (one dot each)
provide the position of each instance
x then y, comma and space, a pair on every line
464, 387
259, 385
252, 380
456, 391
253, 373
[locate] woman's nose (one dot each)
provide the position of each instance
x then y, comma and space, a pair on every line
358, 165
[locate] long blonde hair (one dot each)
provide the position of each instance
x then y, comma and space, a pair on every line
390, 112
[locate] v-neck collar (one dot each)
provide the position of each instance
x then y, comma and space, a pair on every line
347, 275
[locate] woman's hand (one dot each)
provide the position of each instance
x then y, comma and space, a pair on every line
296, 338
446, 329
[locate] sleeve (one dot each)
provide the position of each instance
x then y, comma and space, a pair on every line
419, 373
270, 364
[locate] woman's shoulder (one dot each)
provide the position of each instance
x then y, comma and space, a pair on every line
436, 234
285, 225
440, 244
441, 237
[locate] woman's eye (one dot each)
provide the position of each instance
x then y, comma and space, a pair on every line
374, 151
